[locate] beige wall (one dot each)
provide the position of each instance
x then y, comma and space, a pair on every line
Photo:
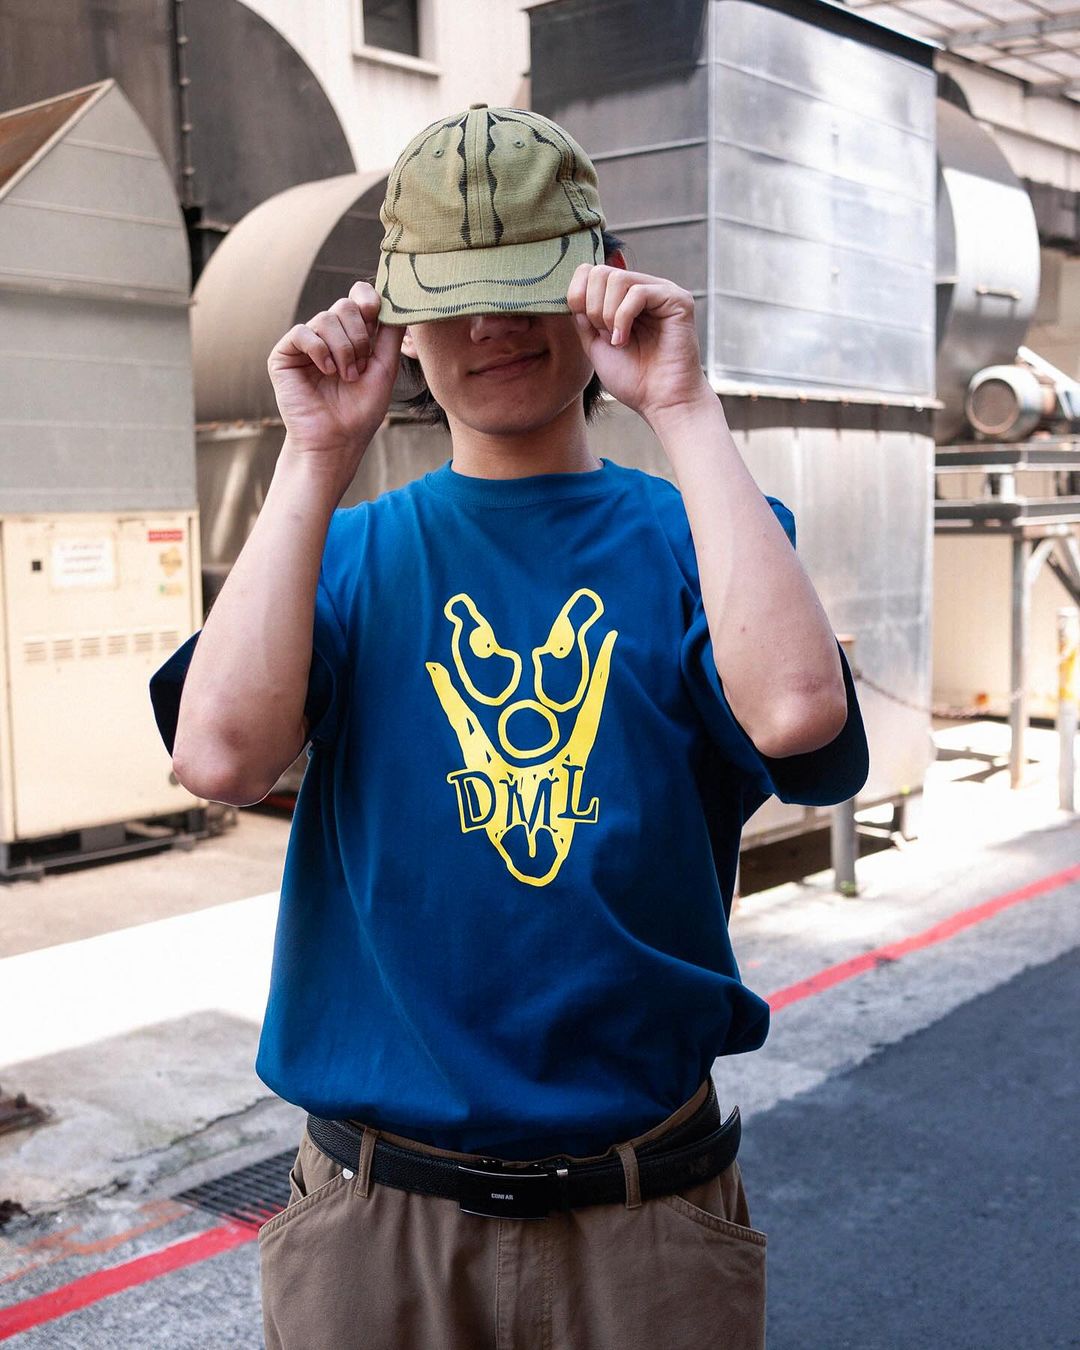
1040, 137
472, 51
1055, 327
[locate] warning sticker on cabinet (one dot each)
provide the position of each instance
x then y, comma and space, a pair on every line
83, 562
171, 560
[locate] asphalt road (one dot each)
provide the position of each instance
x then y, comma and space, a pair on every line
931, 1196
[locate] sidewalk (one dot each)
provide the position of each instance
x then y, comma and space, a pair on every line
131, 1010
140, 1033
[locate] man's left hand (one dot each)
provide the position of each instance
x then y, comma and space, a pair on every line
638, 331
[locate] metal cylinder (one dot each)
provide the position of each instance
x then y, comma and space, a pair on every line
1008, 402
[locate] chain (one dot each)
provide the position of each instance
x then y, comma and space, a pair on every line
934, 709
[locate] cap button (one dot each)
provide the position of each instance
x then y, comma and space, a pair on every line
476, 105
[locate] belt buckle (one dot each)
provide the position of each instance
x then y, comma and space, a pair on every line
508, 1193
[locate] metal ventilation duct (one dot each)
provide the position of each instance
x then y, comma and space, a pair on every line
251, 120
987, 279
286, 260
290, 257
774, 157
96, 412
1008, 403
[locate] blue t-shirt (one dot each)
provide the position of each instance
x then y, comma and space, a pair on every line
503, 920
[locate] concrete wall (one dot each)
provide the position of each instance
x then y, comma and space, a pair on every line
1040, 137
1055, 328
471, 51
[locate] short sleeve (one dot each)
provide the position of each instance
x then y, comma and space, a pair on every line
823, 777
326, 679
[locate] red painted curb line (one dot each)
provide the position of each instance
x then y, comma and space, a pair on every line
113, 1279
939, 932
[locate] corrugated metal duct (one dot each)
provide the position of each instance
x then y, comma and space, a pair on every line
289, 258
988, 279
235, 111
776, 158
95, 358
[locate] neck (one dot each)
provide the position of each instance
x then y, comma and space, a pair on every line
561, 446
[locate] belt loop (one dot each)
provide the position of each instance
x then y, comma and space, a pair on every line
628, 1157
362, 1185
562, 1187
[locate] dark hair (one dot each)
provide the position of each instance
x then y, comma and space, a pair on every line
424, 407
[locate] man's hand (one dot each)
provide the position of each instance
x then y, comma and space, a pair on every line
638, 331
333, 376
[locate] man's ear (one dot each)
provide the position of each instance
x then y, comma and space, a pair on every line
616, 259
408, 347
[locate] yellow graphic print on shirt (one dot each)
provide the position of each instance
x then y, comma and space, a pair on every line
529, 812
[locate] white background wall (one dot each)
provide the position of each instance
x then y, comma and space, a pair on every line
471, 51
1040, 137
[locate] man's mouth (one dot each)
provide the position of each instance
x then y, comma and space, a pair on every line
514, 365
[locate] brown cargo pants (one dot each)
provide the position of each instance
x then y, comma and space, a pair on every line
350, 1264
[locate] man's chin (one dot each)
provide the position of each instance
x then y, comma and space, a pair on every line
503, 423
515, 420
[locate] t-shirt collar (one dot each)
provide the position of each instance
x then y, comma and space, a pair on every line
526, 490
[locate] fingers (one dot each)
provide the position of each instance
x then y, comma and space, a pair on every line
388, 342
364, 295
339, 340
333, 326
611, 298
575, 292
635, 300
300, 345
595, 293
602, 282
358, 314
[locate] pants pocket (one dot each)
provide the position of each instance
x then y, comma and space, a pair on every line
303, 1254
718, 1205
313, 1178
678, 1271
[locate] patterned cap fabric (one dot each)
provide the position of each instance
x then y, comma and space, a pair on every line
489, 209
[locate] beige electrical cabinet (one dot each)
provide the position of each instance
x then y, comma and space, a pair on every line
92, 605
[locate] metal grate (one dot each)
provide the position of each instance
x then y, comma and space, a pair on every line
250, 1195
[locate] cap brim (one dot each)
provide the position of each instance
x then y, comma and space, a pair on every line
513, 278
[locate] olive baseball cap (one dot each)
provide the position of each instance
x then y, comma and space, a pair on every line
488, 209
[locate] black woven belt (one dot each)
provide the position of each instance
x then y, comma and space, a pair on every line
700, 1147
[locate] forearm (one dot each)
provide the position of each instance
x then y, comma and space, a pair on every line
772, 641
241, 713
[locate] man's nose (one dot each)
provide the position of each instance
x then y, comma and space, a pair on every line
497, 325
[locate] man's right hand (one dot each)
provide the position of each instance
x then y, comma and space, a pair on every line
333, 377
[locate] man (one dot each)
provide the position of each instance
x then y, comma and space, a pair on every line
542, 693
